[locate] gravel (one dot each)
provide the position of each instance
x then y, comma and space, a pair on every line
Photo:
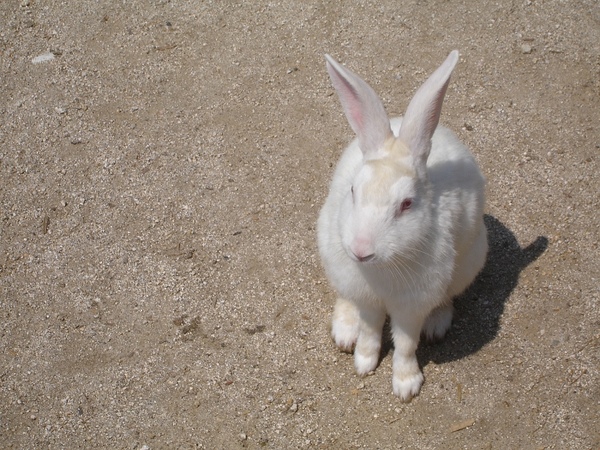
161, 174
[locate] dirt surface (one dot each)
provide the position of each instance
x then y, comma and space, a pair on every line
162, 168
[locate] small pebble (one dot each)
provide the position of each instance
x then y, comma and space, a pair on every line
294, 407
243, 436
43, 58
526, 49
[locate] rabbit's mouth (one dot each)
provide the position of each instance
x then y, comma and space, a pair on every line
362, 258
361, 249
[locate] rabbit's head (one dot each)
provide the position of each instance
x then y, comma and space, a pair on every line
386, 213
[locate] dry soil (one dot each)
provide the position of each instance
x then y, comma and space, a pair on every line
162, 165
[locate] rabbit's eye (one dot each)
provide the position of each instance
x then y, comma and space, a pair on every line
352, 192
406, 204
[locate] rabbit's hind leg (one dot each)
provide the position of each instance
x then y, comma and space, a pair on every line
438, 322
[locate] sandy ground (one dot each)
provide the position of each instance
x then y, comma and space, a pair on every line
161, 176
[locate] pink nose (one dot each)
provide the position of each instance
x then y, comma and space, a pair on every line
362, 250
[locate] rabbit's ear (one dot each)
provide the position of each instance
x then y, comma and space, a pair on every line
363, 108
423, 112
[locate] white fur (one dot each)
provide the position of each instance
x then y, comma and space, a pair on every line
345, 325
438, 322
407, 264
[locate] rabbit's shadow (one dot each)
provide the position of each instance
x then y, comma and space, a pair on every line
479, 309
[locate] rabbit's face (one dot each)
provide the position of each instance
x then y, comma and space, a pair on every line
384, 208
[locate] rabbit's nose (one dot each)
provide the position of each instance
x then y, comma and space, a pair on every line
362, 250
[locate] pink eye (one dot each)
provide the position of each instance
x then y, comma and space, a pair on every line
406, 204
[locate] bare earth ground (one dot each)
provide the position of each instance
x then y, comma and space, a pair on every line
160, 182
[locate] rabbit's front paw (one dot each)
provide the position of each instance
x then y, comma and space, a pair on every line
345, 325
366, 356
406, 386
407, 378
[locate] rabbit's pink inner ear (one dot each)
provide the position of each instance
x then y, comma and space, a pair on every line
362, 107
351, 103
423, 112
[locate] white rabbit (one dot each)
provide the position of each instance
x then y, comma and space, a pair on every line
401, 232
